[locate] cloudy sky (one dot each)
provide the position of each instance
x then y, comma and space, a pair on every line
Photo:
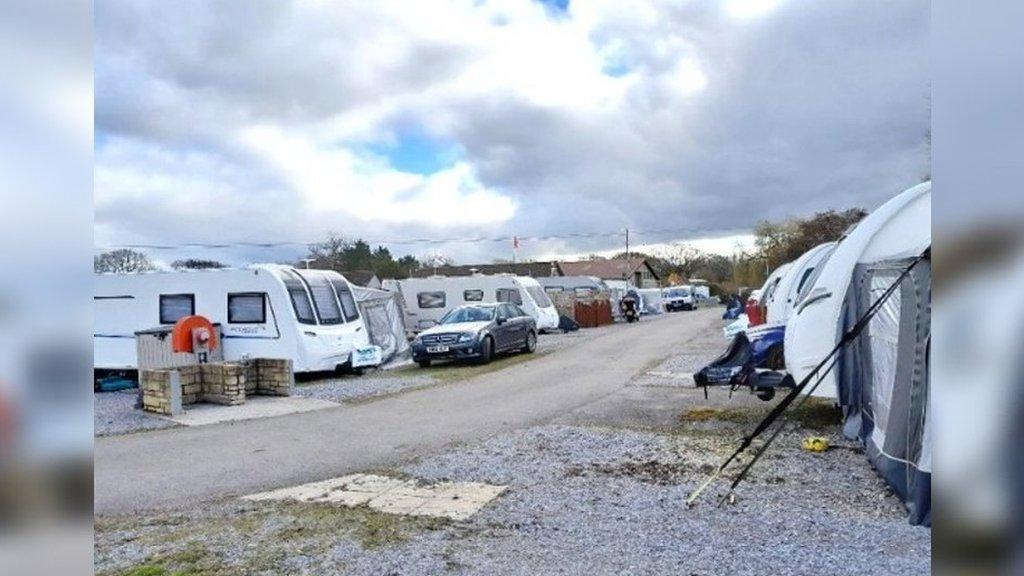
562, 122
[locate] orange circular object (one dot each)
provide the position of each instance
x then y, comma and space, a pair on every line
181, 335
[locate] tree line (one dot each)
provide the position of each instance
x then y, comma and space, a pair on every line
335, 253
775, 243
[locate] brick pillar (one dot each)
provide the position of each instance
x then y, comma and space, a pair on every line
161, 391
275, 376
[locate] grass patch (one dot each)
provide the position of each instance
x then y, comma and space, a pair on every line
457, 371
733, 415
814, 414
371, 528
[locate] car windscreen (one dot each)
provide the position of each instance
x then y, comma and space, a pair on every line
469, 314
678, 293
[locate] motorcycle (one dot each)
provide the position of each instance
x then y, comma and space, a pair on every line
630, 308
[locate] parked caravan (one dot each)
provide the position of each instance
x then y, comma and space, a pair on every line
265, 310
582, 286
755, 309
898, 230
653, 300
427, 300
779, 304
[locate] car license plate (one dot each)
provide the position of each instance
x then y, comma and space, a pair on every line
437, 349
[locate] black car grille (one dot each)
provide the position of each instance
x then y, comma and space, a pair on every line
441, 339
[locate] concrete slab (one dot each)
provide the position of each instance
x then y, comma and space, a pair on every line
454, 500
254, 407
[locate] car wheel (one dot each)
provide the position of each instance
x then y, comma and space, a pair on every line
531, 342
425, 363
776, 358
765, 394
486, 350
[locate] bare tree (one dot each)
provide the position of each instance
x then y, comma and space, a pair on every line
122, 261
197, 264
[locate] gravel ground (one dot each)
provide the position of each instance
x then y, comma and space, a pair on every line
581, 499
115, 413
369, 385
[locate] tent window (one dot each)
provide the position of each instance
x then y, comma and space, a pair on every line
473, 295
348, 302
300, 298
509, 295
174, 307
431, 299
247, 308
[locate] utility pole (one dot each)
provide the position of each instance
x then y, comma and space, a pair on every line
626, 273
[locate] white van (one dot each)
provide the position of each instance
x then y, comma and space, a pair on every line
265, 310
429, 299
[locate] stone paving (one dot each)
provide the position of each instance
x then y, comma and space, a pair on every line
454, 500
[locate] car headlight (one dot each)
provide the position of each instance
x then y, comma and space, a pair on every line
467, 337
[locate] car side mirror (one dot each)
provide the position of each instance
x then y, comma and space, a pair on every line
500, 320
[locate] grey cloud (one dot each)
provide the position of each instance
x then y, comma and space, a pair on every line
816, 105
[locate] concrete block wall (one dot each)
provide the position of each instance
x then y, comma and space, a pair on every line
274, 377
228, 383
223, 383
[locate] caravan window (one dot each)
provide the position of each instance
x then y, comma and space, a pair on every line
431, 299
538, 295
508, 295
299, 297
554, 289
174, 307
326, 302
247, 308
583, 291
348, 302
473, 295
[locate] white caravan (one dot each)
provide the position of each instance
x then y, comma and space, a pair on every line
782, 299
899, 228
582, 286
265, 310
427, 300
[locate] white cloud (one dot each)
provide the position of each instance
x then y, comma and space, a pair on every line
254, 119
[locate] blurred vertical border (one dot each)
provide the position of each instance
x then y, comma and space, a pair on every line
46, 139
978, 320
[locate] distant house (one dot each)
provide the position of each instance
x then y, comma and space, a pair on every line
533, 269
635, 270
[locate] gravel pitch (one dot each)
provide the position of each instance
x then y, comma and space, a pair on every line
370, 385
582, 500
115, 413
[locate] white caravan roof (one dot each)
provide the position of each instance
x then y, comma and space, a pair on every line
900, 228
